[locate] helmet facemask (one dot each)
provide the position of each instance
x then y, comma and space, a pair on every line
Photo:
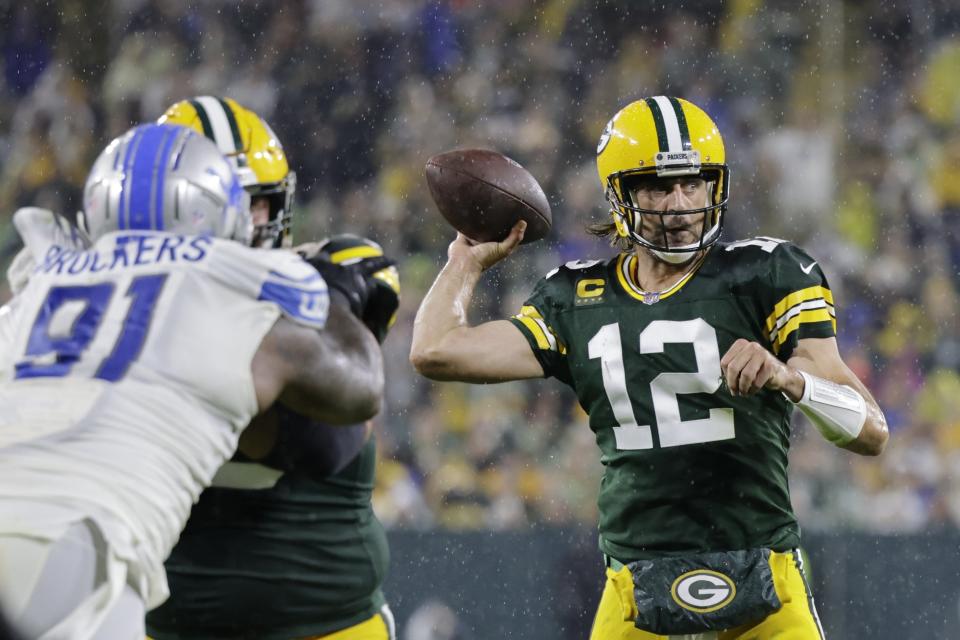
275, 232
629, 217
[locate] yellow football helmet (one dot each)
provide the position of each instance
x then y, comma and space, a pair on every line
662, 137
258, 158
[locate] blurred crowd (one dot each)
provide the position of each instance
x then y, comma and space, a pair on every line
842, 126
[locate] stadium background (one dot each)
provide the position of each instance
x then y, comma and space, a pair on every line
842, 124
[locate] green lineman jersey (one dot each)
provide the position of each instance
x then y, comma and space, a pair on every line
302, 558
688, 467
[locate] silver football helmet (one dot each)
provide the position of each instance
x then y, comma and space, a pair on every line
165, 178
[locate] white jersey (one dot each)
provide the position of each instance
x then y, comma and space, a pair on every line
125, 380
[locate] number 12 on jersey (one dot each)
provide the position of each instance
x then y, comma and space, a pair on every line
666, 387
70, 318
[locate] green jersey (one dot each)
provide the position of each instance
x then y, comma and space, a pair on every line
688, 467
304, 557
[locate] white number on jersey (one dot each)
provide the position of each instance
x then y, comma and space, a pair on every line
666, 387
765, 243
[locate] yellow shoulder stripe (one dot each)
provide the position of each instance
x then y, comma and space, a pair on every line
535, 329
809, 305
530, 311
816, 292
530, 318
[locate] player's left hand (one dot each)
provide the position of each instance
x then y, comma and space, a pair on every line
748, 367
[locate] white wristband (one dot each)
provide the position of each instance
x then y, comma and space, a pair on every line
838, 411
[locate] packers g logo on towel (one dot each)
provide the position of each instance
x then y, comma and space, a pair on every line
703, 591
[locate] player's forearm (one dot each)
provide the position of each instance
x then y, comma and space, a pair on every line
871, 439
874, 435
442, 312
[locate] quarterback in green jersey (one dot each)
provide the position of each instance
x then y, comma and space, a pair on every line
689, 355
285, 543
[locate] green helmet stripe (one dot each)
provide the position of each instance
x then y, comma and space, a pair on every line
219, 118
670, 125
204, 119
234, 128
662, 143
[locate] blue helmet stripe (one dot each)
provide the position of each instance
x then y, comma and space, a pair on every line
161, 168
124, 189
144, 176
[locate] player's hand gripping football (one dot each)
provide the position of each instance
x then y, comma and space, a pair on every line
356, 268
748, 367
485, 254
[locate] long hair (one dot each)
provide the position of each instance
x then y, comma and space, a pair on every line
607, 230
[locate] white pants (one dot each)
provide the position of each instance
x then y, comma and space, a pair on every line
71, 588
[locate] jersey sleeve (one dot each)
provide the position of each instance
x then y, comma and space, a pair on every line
537, 320
798, 303
276, 276
297, 288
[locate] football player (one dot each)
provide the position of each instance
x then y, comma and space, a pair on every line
129, 369
285, 543
689, 355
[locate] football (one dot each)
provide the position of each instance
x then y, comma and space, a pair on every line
482, 194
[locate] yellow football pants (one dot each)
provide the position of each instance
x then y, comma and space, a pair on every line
796, 620
380, 626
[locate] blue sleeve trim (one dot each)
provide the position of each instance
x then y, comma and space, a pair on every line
307, 305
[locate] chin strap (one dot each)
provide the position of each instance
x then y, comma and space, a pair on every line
675, 257
680, 255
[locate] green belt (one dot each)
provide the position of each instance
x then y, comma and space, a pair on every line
613, 563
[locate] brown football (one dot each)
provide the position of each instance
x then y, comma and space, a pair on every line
483, 193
